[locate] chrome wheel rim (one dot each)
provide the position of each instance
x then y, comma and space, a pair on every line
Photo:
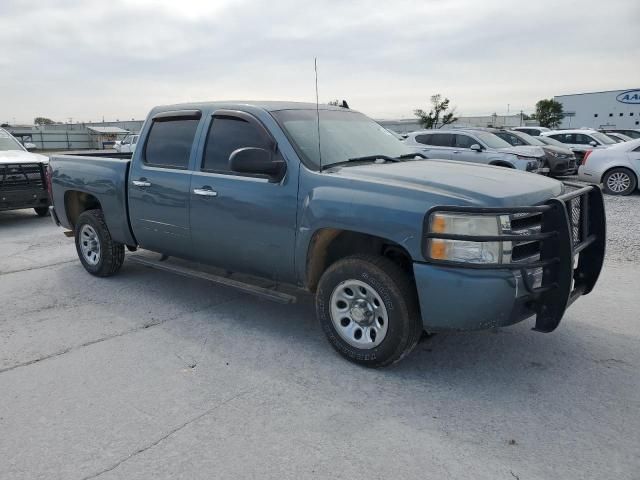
358, 314
618, 182
90, 244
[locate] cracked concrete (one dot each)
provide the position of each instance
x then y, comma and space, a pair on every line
147, 375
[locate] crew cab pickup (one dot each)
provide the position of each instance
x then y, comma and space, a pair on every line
326, 200
22, 181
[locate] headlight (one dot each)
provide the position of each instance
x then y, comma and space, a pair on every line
465, 250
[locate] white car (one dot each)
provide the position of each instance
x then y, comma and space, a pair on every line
618, 137
127, 144
616, 167
22, 176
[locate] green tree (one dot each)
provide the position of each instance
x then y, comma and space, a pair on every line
43, 121
438, 116
549, 113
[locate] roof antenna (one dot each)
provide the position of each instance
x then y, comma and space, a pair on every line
315, 65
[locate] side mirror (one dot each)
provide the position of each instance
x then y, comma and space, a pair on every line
475, 147
593, 143
30, 146
257, 161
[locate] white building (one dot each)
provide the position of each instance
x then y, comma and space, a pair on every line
614, 109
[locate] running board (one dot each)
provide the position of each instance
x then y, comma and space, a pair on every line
264, 292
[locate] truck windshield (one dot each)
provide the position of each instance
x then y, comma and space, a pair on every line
7, 142
344, 134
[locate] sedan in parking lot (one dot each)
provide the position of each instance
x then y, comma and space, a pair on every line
629, 132
559, 160
618, 137
616, 167
475, 145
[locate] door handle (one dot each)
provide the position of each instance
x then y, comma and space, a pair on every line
205, 192
141, 183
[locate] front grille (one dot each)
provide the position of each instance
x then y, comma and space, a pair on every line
574, 210
19, 176
572, 163
525, 224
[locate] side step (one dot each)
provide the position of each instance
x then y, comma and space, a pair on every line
184, 271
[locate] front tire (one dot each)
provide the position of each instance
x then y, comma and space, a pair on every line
619, 181
368, 309
42, 211
99, 254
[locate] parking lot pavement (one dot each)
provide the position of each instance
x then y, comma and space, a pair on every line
148, 375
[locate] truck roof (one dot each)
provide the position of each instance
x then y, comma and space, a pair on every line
267, 105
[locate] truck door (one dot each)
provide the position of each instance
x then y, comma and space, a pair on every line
159, 184
240, 222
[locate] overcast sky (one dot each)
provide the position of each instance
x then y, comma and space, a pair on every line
85, 60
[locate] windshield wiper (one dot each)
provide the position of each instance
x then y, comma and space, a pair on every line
408, 156
366, 158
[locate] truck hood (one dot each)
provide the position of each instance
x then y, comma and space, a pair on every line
21, 156
525, 150
459, 182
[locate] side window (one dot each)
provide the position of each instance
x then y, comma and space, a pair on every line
637, 149
169, 143
226, 135
425, 139
564, 137
463, 141
583, 139
442, 140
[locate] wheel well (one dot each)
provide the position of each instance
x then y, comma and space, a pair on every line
329, 245
501, 164
77, 202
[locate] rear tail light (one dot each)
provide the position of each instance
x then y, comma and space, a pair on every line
586, 155
47, 179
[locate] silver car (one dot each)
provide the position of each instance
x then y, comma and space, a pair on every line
616, 167
478, 146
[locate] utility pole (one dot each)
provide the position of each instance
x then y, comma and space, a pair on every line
521, 117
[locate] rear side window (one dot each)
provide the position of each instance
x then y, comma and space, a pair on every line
424, 139
226, 135
169, 143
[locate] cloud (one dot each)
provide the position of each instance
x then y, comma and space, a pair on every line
86, 59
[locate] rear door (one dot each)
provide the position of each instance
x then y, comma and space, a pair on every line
435, 145
241, 222
159, 184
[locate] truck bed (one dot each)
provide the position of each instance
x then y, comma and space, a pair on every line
94, 179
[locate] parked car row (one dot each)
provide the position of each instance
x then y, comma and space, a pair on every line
478, 145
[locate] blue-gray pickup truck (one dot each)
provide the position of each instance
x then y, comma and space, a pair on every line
326, 200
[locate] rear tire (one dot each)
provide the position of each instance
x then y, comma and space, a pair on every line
619, 181
42, 211
99, 254
368, 309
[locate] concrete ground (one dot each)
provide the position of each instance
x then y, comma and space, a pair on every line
148, 375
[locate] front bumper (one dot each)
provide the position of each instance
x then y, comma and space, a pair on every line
23, 198
460, 296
